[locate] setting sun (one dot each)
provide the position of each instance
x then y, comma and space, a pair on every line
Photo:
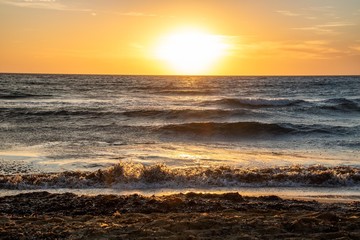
191, 51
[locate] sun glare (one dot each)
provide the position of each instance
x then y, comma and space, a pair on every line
191, 51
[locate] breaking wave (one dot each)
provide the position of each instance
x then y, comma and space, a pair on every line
130, 176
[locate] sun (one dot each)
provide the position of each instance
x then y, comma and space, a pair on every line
191, 51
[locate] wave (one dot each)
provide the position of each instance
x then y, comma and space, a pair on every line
19, 95
29, 113
342, 104
333, 104
131, 175
171, 114
227, 129
254, 103
187, 113
186, 92
250, 129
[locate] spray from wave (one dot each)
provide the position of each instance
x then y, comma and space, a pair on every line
130, 175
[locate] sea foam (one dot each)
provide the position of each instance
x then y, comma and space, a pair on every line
129, 175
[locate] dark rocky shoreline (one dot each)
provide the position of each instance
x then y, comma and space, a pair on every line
42, 215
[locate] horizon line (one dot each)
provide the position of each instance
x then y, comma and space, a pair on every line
185, 75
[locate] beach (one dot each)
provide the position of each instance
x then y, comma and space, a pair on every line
43, 215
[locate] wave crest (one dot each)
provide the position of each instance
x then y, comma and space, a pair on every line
342, 104
130, 175
255, 103
333, 104
186, 113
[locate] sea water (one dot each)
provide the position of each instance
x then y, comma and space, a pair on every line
179, 132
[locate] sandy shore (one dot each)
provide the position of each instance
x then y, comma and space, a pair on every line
43, 215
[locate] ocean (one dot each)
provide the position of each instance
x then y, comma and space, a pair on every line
97, 134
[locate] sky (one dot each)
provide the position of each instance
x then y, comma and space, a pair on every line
259, 37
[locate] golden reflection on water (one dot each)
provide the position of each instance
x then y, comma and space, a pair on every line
172, 155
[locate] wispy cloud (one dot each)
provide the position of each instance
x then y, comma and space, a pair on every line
311, 12
337, 24
61, 6
355, 48
316, 49
325, 9
326, 28
42, 4
312, 49
288, 13
324, 19
320, 13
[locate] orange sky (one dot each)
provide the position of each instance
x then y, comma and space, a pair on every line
272, 37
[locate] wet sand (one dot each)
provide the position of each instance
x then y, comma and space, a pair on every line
43, 215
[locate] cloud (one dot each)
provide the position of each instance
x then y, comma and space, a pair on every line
42, 4
312, 49
288, 13
60, 6
325, 13
355, 48
326, 28
337, 24
315, 49
48, 4
316, 29
327, 18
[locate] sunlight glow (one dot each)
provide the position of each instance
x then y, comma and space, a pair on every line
191, 51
